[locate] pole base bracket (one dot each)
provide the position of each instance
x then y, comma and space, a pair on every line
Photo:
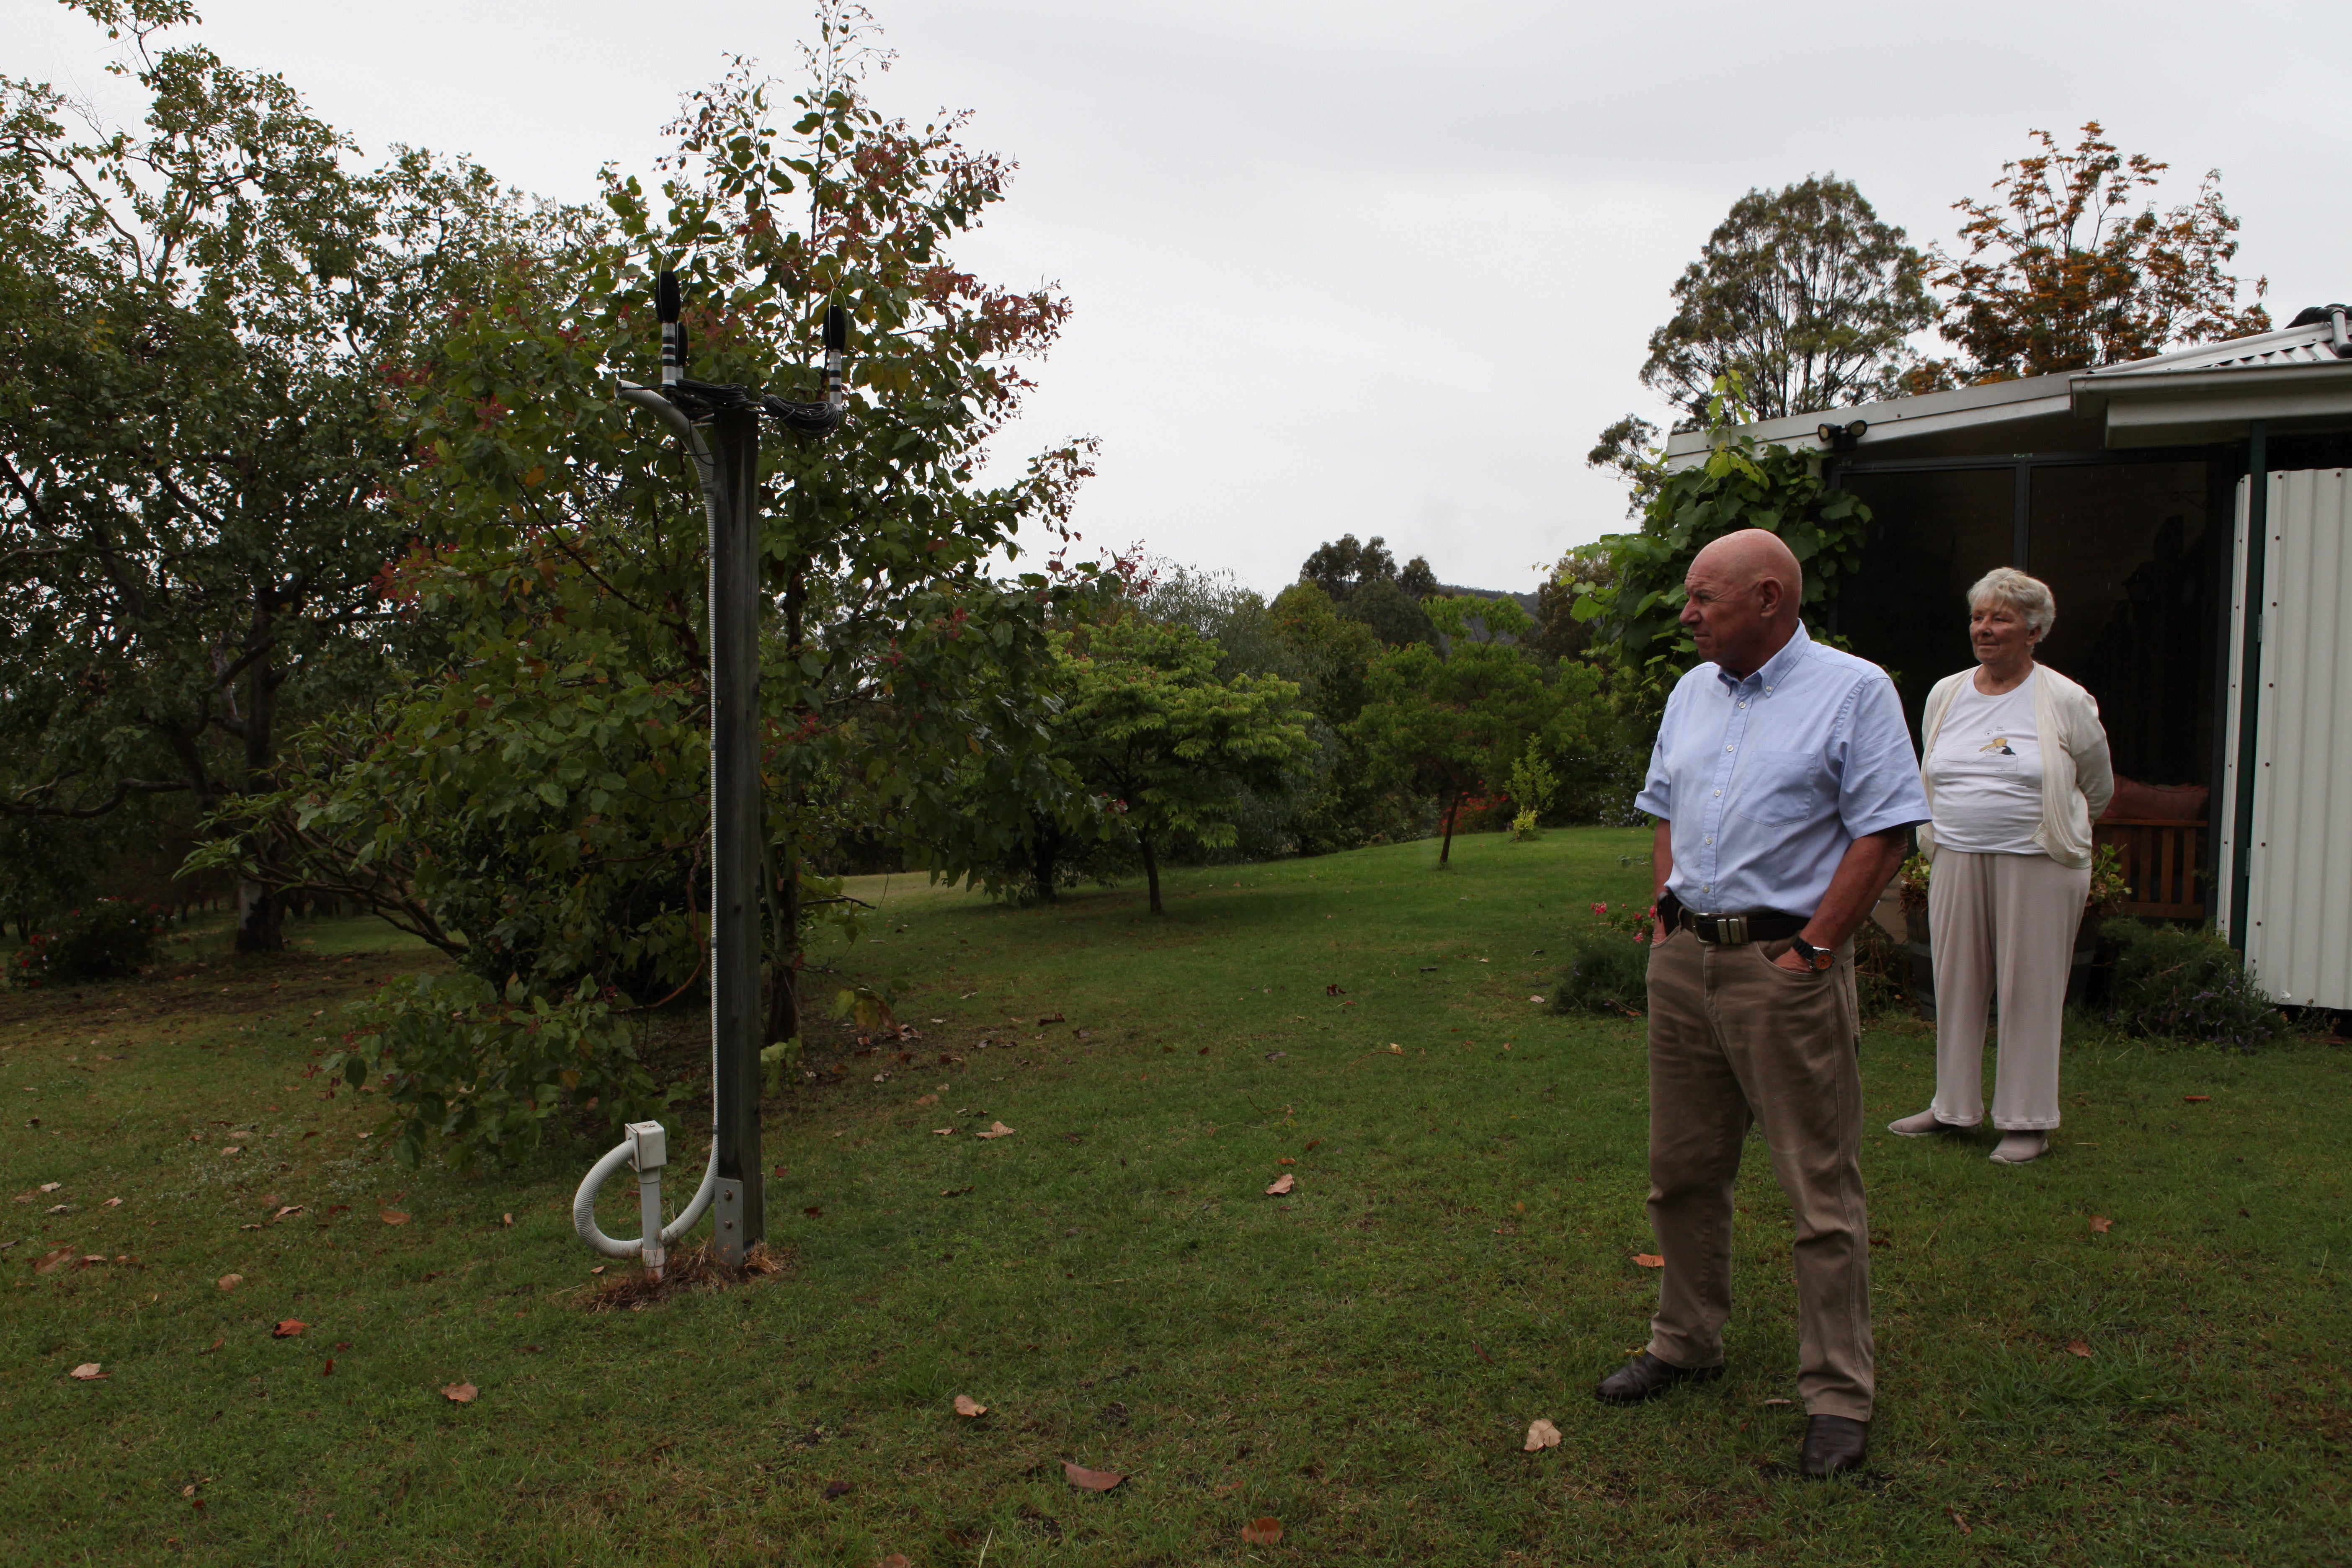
727, 1235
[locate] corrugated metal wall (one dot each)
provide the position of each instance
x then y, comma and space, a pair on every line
2299, 902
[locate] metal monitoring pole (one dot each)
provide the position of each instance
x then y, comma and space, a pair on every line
730, 476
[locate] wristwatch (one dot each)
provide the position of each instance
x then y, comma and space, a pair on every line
1816, 959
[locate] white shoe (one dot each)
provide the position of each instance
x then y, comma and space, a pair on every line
2020, 1149
1926, 1124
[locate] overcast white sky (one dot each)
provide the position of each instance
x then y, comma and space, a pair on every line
1352, 265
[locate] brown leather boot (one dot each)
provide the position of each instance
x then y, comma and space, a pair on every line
1833, 1445
1647, 1377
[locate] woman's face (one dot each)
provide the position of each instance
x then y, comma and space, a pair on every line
1997, 632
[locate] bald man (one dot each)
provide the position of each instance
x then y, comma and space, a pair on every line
1784, 784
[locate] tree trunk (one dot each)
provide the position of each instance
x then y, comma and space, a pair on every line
1453, 804
784, 971
260, 913
1151, 871
1045, 851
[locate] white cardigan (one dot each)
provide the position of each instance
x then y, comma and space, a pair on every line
2077, 777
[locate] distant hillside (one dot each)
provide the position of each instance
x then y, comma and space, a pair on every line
1525, 601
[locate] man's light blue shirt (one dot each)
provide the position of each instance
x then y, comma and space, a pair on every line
1768, 780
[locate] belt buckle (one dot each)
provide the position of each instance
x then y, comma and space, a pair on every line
1731, 931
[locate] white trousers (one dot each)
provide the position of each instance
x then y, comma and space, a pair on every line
2004, 922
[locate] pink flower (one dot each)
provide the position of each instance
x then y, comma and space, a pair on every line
1601, 909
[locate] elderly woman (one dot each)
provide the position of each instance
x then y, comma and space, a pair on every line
2015, 763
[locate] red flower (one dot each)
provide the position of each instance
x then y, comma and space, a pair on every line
1601, 909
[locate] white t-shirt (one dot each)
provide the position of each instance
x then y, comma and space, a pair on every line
1986, 772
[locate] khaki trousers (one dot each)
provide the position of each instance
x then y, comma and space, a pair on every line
1735, 1040
2003, 923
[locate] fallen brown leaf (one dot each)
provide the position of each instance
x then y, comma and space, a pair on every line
1961, 1522
506, 1219
1091, 1480
1285, 1160
895, 1559
51, 1186
926, 1100
288, 1329
1541, 1434
1282, 1185
1482, 1352
1261, 1533
231, 1282
599, 1268
212, 1347
966, 1405
111, 1203
289, 1209
953, 1192
1314, 1143
87, 1373
50, 1262
1649, 1260
2101, 1223
393, 1216
2076, 1347
995, 1130
814, 1211
460, 1392
2195, 1098
946, 1132
328, 1370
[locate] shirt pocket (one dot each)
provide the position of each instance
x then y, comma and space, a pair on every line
1783, 786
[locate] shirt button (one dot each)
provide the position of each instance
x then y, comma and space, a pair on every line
1710, 838
1719, 794
1743, 704
1730, 748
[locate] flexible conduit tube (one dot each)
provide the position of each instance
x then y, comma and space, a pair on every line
584, 1204
653, 1245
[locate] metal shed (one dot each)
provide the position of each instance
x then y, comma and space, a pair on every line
2159, 498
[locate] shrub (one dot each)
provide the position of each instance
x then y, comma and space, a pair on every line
1882, 972
2170, 983
1608, 968
103, 941
481, 1073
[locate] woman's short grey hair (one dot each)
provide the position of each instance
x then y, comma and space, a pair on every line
2029, 597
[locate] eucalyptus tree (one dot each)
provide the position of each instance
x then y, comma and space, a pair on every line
1804, 294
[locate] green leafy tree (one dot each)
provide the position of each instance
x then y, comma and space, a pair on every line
1804, 294
1365, 583
1635, 606
538, 799
1451, 724
2061, 273
1172, 748
194, 467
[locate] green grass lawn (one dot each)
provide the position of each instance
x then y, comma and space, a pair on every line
1359, 1358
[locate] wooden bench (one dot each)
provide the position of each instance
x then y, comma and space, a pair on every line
2163, 863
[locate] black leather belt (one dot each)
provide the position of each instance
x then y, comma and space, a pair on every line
1729, 930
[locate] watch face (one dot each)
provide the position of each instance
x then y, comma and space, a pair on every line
1821, 960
